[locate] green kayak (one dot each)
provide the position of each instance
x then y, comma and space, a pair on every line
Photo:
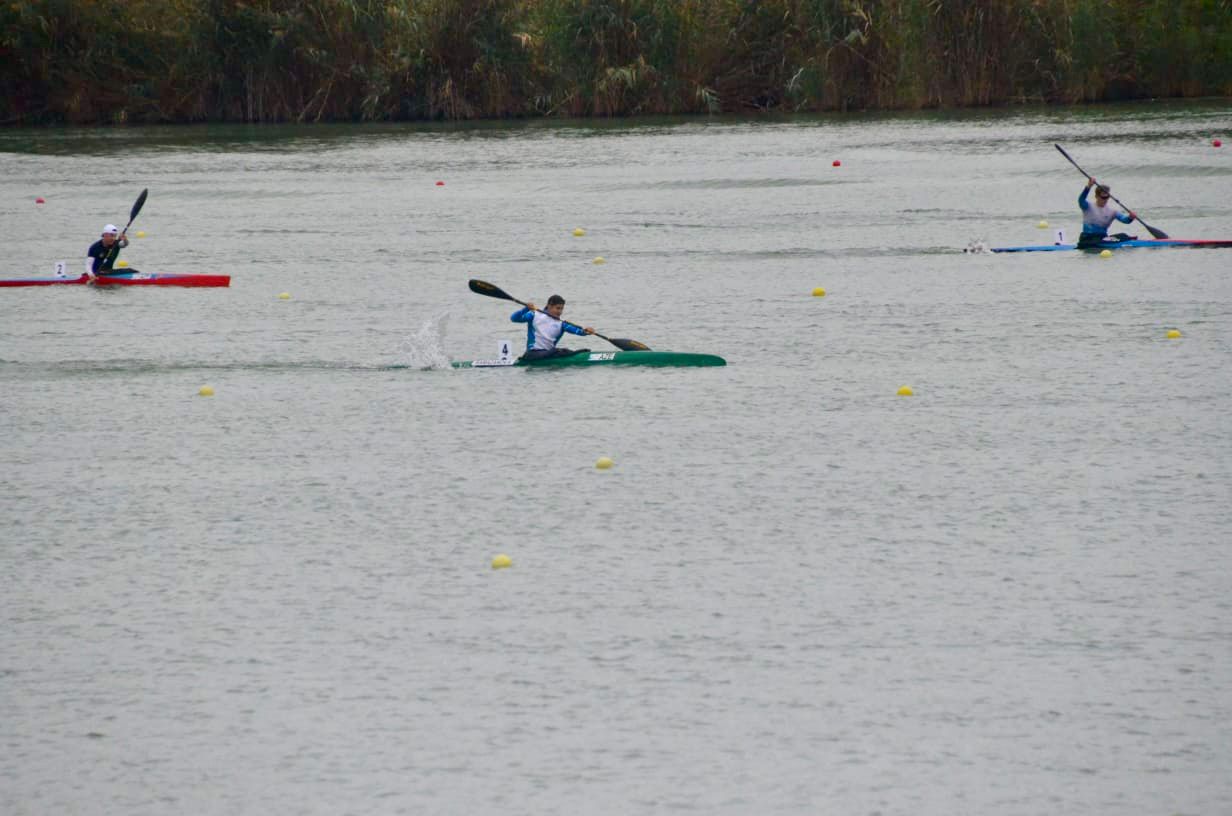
636, 358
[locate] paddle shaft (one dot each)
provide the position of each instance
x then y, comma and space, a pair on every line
484, 288
132, 215
1156, 232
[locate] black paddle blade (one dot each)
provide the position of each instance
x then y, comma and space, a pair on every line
626, 345
484, 288
138, 204
1158, 233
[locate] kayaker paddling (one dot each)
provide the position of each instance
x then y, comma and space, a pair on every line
102, 254
527, 314
1097, 216
545, 328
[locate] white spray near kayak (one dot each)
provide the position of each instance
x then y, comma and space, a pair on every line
426, 348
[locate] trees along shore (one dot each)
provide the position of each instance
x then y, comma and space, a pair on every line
148, 61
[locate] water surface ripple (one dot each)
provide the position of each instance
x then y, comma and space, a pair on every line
795, 592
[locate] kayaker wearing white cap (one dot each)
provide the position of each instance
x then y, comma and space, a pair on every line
102, 254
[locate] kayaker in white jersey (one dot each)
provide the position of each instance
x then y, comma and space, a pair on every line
545, 329
1098, 216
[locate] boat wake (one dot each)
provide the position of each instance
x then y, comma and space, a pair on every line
977, 246
423, 350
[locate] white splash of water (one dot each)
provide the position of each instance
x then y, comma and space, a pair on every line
978, 246
426, 348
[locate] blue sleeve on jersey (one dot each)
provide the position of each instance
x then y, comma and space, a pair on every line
572, 329
1124, 218
522, 315
1082, 198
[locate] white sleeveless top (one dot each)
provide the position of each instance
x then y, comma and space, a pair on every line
547, 330
1098, 216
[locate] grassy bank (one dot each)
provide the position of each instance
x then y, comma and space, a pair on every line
108, 61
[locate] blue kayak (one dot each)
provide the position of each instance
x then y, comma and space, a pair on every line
1135, 243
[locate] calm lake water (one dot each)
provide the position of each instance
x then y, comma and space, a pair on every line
796, 592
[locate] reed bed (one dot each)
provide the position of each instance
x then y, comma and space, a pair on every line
107, 61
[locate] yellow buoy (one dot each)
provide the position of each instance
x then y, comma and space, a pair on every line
819, 292
501, 561
578, 232
206, 391
121, 264
284, 295
1107, 253
599, 260
1173, 334
604, 463
905, 391
140, 233
1042, 225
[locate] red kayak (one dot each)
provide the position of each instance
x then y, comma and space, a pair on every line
130, 278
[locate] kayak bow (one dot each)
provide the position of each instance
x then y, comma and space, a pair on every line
131, 278
637, 358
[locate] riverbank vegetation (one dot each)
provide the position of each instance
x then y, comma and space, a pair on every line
140, 61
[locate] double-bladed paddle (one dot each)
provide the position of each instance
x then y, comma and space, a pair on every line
137, 205
1158, 233
484, 288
